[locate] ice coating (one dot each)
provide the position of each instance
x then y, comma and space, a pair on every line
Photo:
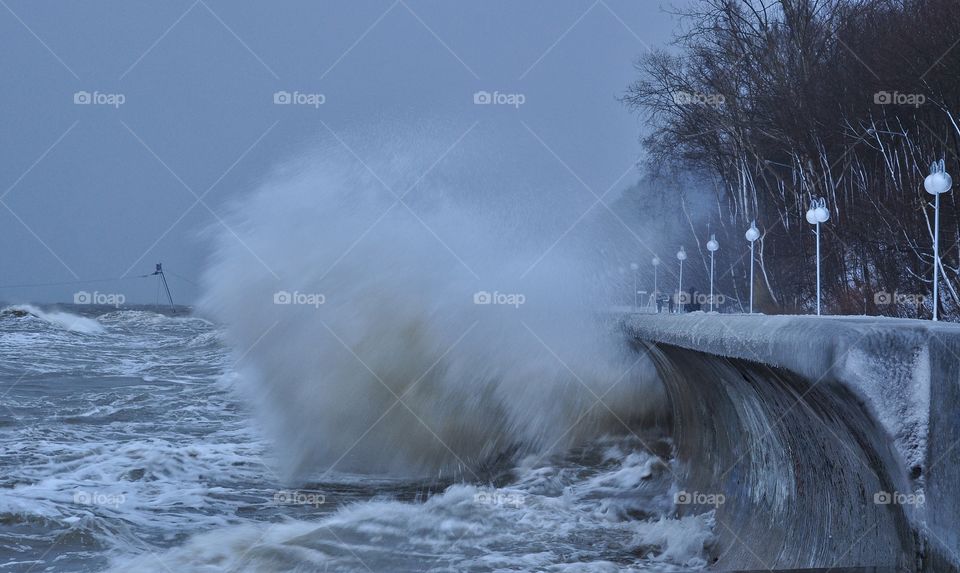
894, 379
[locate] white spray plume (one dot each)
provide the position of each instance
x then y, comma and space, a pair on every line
382, 303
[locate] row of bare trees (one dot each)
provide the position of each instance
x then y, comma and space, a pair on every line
776, 102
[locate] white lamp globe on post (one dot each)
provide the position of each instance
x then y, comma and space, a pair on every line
752, 235
816, 214
681, 256
636, 303
712, 246
937, 183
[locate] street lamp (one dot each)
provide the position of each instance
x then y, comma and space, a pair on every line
656, 293
752, 235
681, 256
937, 183
712, 246
816, 214
636, 304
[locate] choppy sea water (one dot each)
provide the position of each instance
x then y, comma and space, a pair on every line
124, 445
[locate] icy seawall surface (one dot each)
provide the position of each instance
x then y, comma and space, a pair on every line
883, 389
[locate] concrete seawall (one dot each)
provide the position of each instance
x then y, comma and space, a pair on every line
902, 375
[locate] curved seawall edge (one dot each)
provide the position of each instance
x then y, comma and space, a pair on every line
801, 421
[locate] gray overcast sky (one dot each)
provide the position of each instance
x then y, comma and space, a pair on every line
96, 191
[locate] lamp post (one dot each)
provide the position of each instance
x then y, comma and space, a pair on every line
681, 256
636, 304
816, 214
623, 277
712, 246
752, 235
937, 183
656, 263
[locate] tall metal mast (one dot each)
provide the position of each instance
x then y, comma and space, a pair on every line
163, 281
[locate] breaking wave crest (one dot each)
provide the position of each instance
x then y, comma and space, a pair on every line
419, 336
59, 319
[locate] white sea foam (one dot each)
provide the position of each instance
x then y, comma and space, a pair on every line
60, 319
521, 527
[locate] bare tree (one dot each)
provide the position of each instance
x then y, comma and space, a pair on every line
781, 101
